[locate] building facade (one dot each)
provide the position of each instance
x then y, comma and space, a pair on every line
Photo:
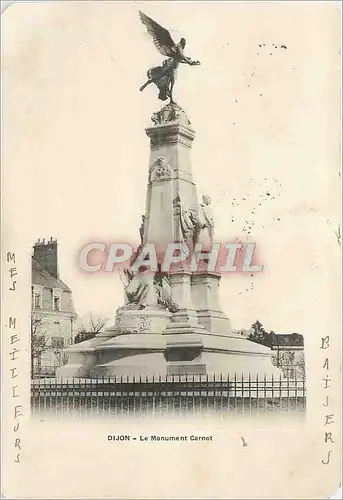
288, 349
52, 316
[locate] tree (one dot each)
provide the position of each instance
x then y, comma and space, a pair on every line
90, 327
61, 357
39, 342
300, 365
259, 334
287, 364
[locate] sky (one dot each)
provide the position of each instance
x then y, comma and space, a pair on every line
265, 107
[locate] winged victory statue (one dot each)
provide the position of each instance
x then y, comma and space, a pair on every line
164, 76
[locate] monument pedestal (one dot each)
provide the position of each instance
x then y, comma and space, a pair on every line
205, 295
179, 328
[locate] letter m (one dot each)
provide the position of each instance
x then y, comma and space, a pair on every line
12, 322
10, 256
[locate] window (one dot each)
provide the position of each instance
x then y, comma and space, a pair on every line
56, 299
37, 297
57, 342
57, 304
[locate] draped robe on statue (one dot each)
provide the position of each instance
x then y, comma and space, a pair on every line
164, 77
205, 223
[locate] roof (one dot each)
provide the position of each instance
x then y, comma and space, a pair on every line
290, 339
40, 276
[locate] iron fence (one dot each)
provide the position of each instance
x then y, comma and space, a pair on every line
45, 371
164, 395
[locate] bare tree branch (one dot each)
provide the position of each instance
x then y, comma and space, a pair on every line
61, 357
39, 342
90, 327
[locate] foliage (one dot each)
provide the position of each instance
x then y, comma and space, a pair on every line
39, 341
284, 356
301, 365
90, 327
61, 357
260, 335
82, 336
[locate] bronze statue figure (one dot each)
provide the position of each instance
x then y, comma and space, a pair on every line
164, 76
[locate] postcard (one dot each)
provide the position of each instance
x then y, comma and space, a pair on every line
171, 245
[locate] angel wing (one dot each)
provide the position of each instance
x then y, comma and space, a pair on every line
162, 39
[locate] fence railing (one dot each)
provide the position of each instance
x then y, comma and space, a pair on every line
45, 371
164, 395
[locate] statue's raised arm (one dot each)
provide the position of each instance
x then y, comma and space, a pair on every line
164, 76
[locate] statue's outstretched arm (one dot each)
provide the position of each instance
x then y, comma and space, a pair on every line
188, 60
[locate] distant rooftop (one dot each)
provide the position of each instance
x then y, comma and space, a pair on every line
40, 276
291, 339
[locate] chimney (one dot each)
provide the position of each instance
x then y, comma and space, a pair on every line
45, 253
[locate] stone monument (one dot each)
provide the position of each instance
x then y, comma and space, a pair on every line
170, 322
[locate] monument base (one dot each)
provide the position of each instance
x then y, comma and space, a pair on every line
130, 324
148, 354
215, 321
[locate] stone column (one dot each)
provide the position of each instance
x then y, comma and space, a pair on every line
184, 343
170, 175
205, 297
181, 293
